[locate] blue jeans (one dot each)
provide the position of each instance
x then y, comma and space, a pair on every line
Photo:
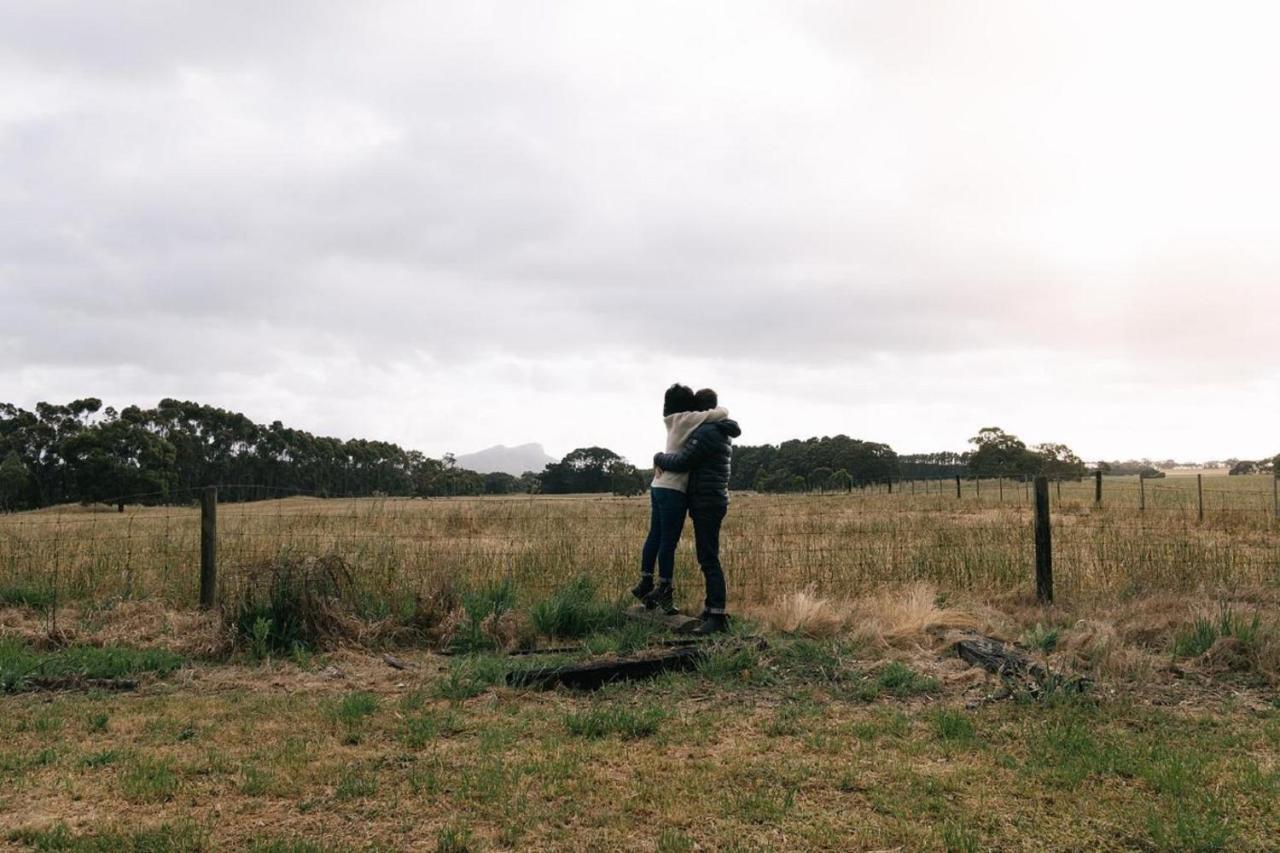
706, 534
666, 520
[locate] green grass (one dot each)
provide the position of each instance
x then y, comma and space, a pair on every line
1199, 637
27, 596
19, 663
471, 675
575, 611
605, 720
166, 838
148, 780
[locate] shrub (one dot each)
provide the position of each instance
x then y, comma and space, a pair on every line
574, 611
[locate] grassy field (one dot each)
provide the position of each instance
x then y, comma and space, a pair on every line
845, 544
130, 720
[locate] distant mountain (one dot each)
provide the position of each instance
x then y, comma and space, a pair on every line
511, 460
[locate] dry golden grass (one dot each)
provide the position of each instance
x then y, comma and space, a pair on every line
842, 547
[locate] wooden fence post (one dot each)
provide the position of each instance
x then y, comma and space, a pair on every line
890, 485
208, 546
977, 486
1200, 496
1142, 493
1044, 544
957, 485
1000, 485
1097, 487
1275, 493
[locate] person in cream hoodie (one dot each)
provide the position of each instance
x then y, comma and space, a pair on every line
667, 500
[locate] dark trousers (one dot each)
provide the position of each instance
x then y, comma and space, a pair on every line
666, 520
706, 535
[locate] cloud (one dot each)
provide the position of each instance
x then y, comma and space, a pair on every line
375, 220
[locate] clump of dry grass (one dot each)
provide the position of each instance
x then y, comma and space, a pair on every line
804, 614
901, 617
910, 616
1098, 647
138, 624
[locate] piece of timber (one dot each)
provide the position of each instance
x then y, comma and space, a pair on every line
592, 675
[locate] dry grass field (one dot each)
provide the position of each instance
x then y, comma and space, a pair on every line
130, 720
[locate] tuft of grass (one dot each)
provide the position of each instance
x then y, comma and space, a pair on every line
454, 839
1041, 637
604, 720
574, 611
427, 725
165, 838
952, 726
470, 676
480, 607
674, 841
27, 596
354, 784
351, 712
1200, 636
148, 780
19, 663
901, 681
956, 838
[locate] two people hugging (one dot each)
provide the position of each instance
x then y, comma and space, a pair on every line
690, 478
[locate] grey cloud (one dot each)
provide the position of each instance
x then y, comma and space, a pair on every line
813, 186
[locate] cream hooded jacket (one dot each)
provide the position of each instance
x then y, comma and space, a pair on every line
679, 427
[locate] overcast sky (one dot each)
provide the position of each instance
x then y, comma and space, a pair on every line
456, 225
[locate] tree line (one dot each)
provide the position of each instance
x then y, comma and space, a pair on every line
83, 452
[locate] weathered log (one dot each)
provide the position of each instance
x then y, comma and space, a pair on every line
996, 657
592, 675
1013, 666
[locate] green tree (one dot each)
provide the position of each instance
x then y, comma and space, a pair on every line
998, 454
15, 482
584, 470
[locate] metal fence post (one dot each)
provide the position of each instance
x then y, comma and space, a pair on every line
208, 546
1044, 543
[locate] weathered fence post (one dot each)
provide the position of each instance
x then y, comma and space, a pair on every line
1000, 486
1142, 492
1275, 493
890, 485
1044, 543
1200, 496
977, 486
208, 546
1097, 486
957, 485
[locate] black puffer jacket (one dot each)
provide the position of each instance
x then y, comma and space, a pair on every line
706, 456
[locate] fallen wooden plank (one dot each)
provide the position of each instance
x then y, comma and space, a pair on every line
676, 623
592, 675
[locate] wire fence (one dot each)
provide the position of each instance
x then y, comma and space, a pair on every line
1141, 537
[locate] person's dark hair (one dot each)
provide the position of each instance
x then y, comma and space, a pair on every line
705, 399
679, 398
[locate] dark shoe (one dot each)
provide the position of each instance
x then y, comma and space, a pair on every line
661, 597
643, 588
712, 623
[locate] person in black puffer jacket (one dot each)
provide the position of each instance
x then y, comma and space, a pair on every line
707, 457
